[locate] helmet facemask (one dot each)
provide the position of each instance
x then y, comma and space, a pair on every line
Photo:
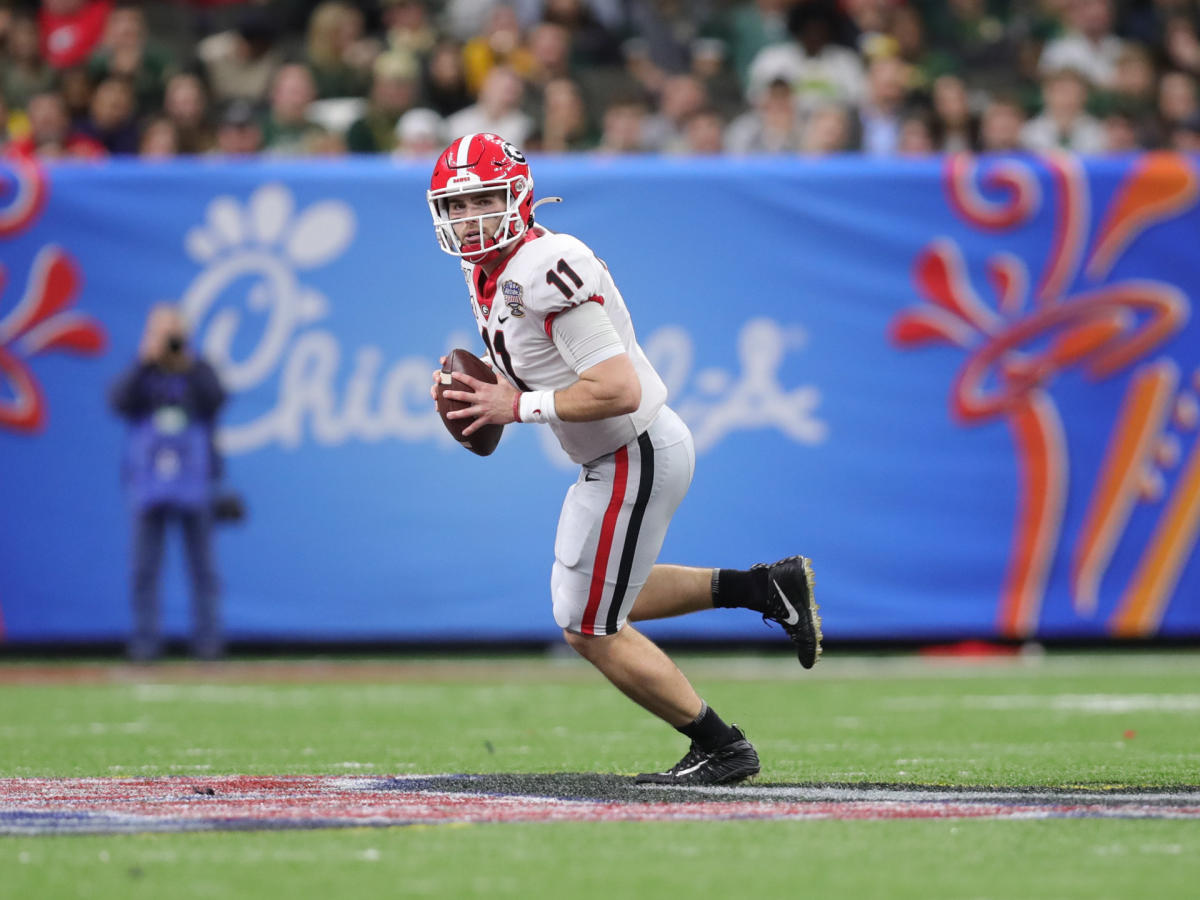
496, 229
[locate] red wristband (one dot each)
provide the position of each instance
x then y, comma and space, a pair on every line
517, 407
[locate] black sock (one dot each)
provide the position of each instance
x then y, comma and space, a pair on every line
738, 589
708, 730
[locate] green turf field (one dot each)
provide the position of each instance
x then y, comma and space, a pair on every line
1130, 719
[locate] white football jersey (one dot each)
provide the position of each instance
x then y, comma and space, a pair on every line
515, 310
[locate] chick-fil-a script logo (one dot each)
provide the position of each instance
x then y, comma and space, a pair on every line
262, 247
42, 320
1074, 316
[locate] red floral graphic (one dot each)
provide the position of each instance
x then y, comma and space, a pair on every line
41, 321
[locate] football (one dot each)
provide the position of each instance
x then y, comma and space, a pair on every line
483, 441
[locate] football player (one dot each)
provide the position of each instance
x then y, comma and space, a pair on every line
558, 331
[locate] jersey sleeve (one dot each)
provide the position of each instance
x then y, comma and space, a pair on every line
585, 336
567, 274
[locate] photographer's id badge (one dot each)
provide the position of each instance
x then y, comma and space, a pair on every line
170, 420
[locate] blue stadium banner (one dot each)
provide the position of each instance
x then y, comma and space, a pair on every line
968, 388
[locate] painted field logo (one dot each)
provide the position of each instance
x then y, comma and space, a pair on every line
41, 321
1018, 345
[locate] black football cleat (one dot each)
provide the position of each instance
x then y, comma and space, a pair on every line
734, 762
790, 603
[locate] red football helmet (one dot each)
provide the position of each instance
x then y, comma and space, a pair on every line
479, 163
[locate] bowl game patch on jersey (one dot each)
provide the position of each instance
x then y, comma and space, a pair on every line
514, 298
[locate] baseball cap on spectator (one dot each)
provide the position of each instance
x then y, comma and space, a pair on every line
418, 125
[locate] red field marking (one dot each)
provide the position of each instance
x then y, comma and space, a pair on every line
316, 671
240, 802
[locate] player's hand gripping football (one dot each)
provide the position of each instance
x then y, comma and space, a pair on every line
491, 404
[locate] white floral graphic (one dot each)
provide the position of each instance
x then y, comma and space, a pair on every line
264, 242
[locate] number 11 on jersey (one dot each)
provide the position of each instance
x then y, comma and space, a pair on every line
501, 351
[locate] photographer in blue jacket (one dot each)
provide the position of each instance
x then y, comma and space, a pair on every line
170, 469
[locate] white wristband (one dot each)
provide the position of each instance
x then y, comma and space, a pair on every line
538, 406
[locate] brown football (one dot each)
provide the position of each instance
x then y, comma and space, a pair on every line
483, 441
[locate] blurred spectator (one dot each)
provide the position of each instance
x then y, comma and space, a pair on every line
665, 31
1001, 124
640, 70
1177, 100
978, 40
186, 108
1133, 94
703, 133
817, 69
241, 63
550, 51
750, 27
1088, 46
71, 29
1120, 130
1185, 136
113, 119
336, 52
501, 44
773, 126
564, 125
1145, 21
1064, 122
50, 132
160, 139
681, 96
590, 42
23, 71
869, 20
1134, 76
126, 51
955, 128
407, 30
419, 133
239, 131
76, 87
621, 126
393, 93
5, 133
445, 84
462, 20
879, 112
1180, 44
288, 130
325, 143
170, 399
710, 68
828, 129
498, 109
909, 33
915, 137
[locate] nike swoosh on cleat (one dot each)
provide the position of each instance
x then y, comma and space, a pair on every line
793, 616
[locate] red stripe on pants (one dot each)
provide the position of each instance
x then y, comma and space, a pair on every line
606, 538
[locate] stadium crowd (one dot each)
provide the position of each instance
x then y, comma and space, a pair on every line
92, 78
